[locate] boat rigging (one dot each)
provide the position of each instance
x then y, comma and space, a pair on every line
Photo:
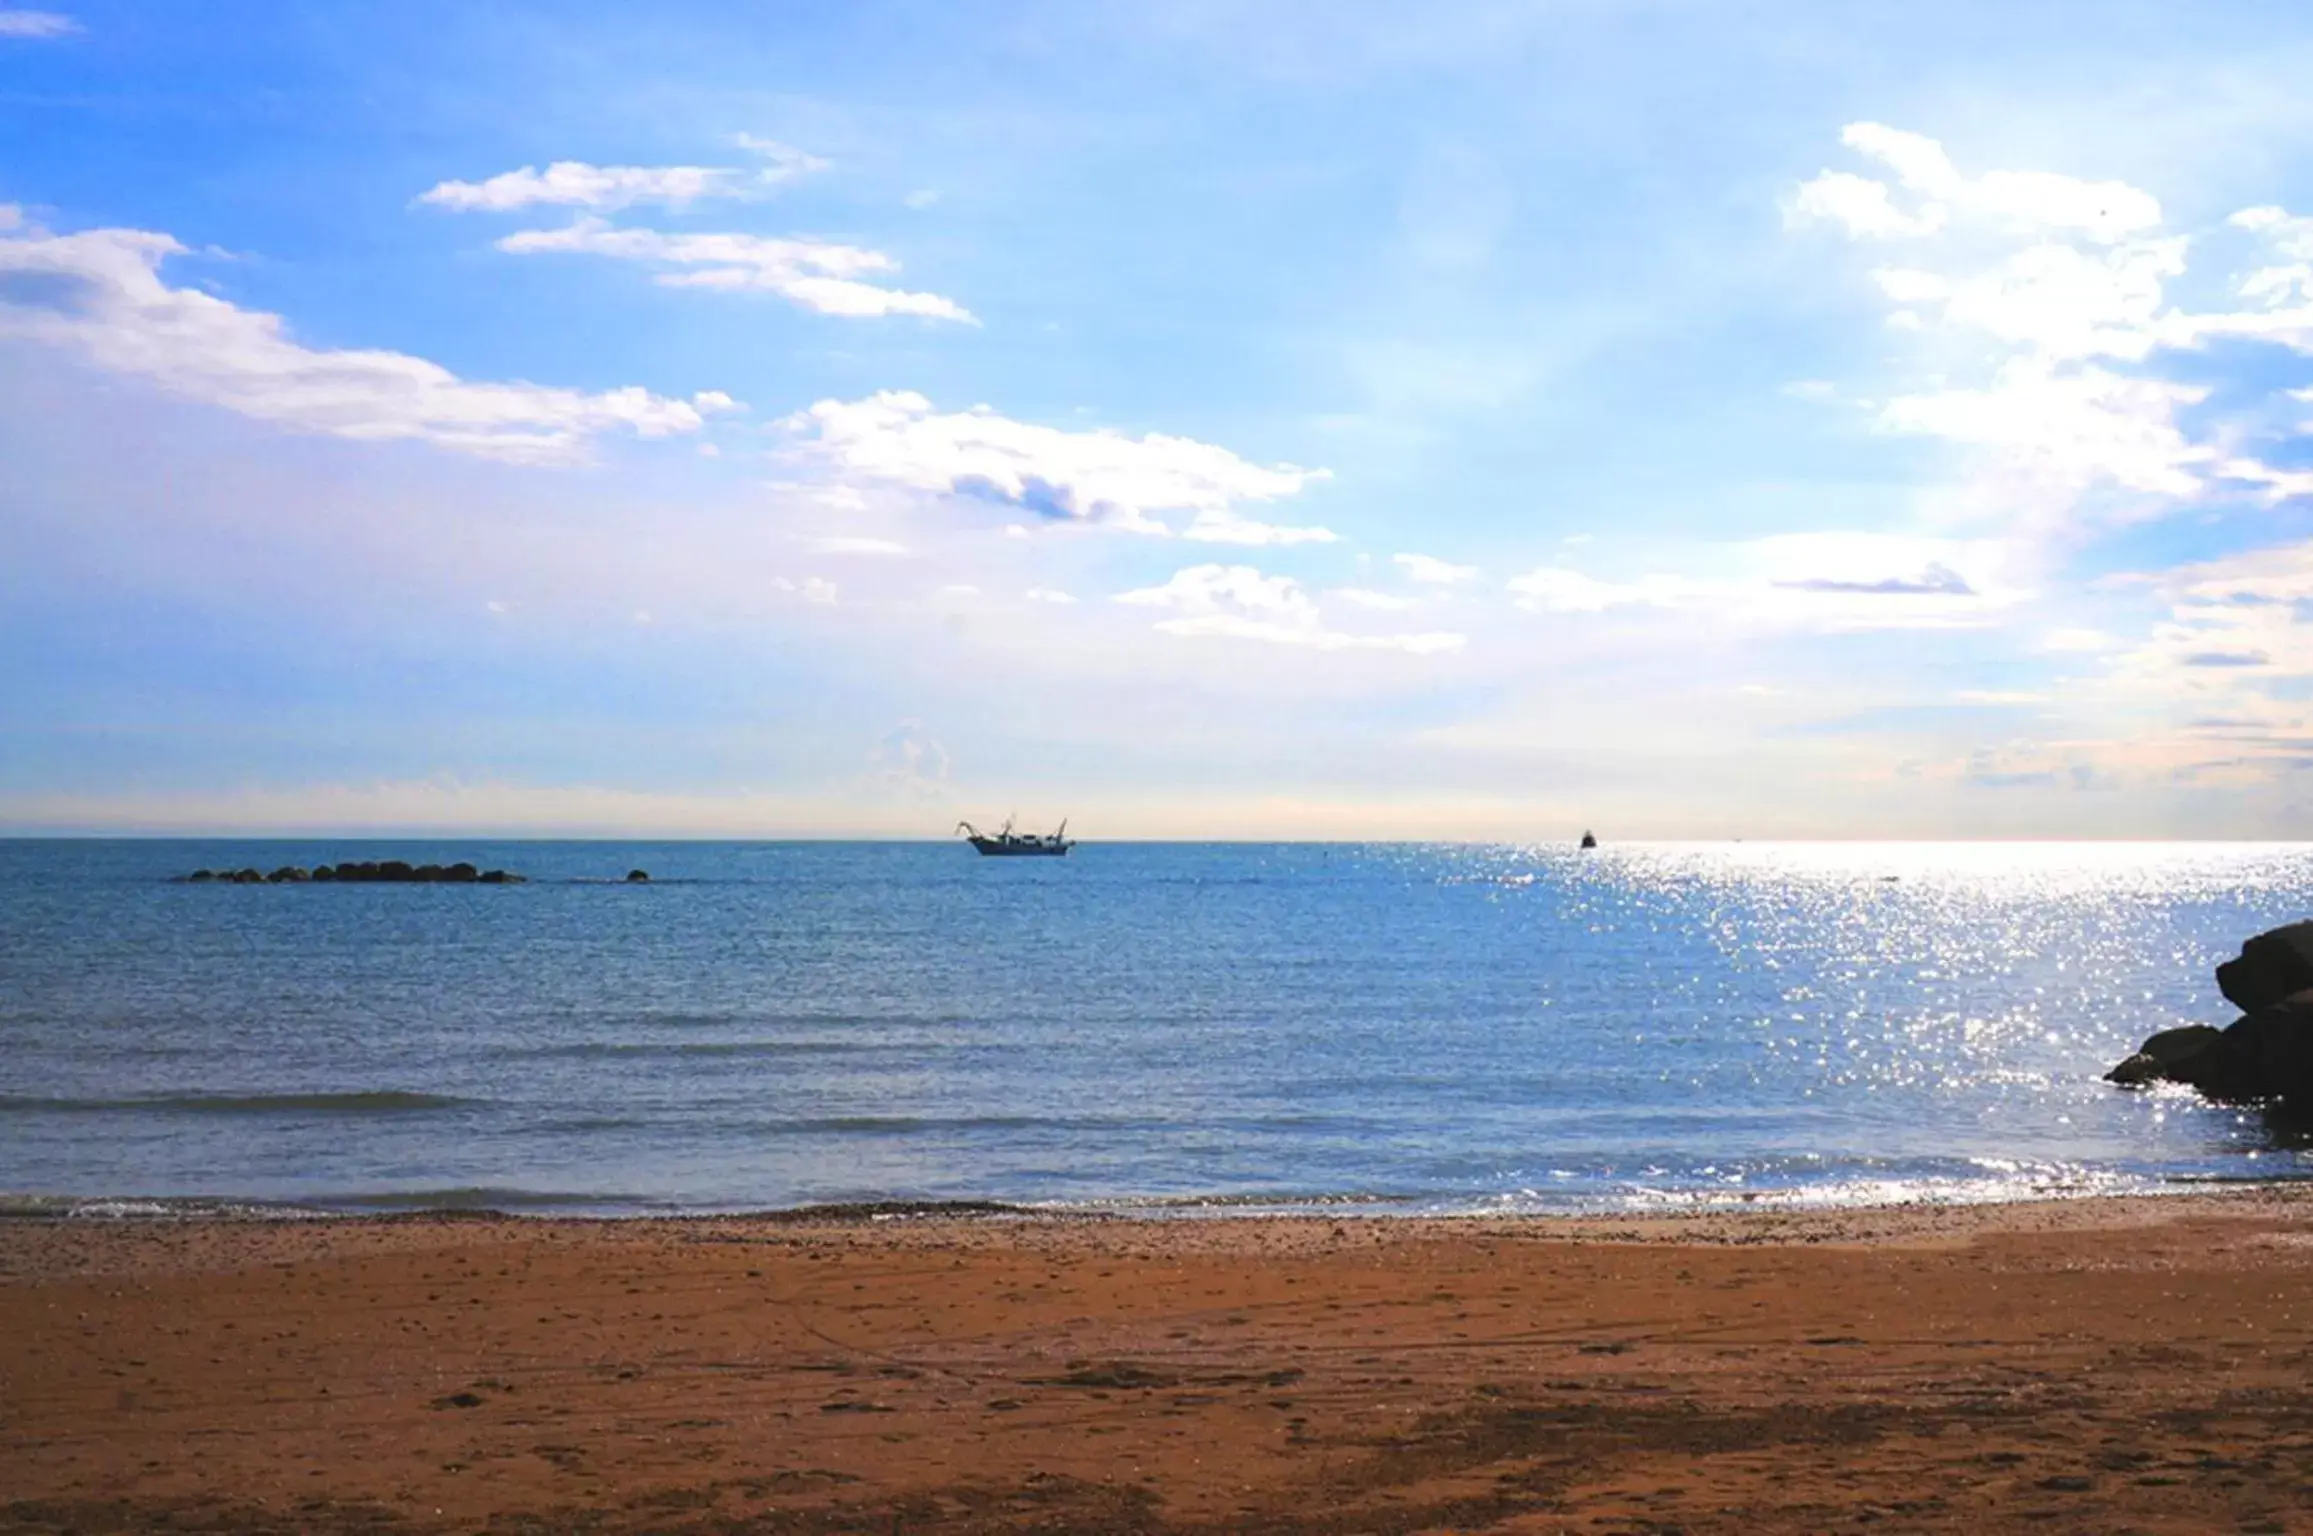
1006, 842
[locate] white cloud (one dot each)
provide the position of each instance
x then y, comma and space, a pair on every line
2278, 294
2106, 211
2210, 695
1365, 598
1049, 595
2058, 274
782, 162
1831, 580
605, 188
1095, 476
815, 274
1998, 697
846, 545
36, 24
1239, 602
2057, 300
1554, 589
1865, 207
574, 184
911, 759
812, 589
2273, 485
1221, 526
100, 295
1431, 571
2068, 428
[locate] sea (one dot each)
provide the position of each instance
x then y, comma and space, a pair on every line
1186, 1029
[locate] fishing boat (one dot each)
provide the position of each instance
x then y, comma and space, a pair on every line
1008, 842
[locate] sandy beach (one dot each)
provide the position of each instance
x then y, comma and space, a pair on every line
2099, 1366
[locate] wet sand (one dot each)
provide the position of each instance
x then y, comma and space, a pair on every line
2094, 1366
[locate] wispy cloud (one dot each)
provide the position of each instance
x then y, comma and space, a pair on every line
1555, 589
607, 188
2030, 201
574, 184
36, 24
816, 274
1932, 579
1365, 597
100, 295
781, 162
1431, 571
1241, 603
852, 545
1833, 580
812, 589
1088, 477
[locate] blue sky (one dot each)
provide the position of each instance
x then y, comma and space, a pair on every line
1198, 420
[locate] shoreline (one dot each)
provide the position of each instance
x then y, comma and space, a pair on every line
2091, 1364
548, 1206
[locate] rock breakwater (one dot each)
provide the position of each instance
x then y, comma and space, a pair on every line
383, 871
2265, 1056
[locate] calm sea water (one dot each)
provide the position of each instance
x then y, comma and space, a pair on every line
1403, 1027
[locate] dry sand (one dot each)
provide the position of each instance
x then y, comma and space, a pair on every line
2093, 1366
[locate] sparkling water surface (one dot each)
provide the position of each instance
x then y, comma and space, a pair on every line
1395, 1027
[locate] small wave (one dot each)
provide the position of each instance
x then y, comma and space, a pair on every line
623, 1050
1246, 1204
957, 1123
149, 1208
889, 1210
388, 1102
485, 1198
901, 1125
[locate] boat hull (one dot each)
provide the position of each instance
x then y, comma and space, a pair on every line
989, 848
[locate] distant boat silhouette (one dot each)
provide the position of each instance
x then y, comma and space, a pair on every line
1007, 842
1588, 841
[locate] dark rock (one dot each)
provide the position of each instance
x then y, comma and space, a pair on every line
2266, 1057
352, 870
638, 877
2272, 966
2160, 1058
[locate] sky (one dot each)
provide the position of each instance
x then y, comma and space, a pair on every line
1674, 418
